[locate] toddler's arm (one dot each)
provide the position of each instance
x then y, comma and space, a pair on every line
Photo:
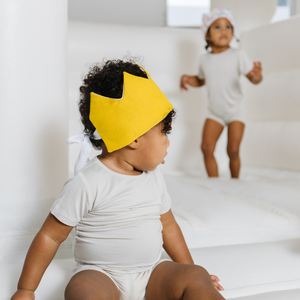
39, 256
255, 75
174, 242
175, 245
194, 81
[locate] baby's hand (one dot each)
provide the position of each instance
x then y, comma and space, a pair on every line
183, 82
215, 281
23, 295
256, 71
255, 74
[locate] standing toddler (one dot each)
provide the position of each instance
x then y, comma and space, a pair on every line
220, 71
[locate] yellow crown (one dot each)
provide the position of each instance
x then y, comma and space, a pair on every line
120, 121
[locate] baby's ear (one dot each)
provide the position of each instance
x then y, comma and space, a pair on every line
135, 144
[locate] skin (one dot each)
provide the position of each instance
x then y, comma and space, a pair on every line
177, 279
219, 36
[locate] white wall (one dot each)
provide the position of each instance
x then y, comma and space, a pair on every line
129, 12
272, 137
33, 108
33, 118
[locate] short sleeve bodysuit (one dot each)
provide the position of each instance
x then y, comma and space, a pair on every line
116, 216
221, 72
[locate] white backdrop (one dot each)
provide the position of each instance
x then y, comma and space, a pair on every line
129, 12
33, 93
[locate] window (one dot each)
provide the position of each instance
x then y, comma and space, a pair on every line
186, 13
283, 11
189, 13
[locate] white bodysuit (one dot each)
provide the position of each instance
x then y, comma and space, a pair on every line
221, 72
117, 223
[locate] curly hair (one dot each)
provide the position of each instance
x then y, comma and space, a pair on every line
107, 80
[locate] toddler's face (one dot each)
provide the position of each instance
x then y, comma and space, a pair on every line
220, 32
153, 150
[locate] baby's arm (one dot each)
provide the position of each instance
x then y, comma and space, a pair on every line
194, 81
40, 255
255, 74
175, 245
174, 242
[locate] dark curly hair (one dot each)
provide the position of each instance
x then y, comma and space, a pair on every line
107, 80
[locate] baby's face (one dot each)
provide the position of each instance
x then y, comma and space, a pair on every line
153, 149
221, 32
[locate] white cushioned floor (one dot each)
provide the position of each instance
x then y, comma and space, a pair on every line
244, 231
244, 270
254, 209
253, 268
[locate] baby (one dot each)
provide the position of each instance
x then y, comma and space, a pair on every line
220, 70
118, 202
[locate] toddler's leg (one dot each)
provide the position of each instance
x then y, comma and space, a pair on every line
173, 281
235, 135
91, 285
211, 133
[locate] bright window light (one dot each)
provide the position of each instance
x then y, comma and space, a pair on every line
283, 11
186, 13
195, 3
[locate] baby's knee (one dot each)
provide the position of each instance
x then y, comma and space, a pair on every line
84, 290
233, 151
198, 275
207, 149
195, 277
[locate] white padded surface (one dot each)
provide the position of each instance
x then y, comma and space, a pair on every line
243, 269
52, 285
272, 133
220, 211
278, 295
252, 269
269, 44
280, 143
19, 224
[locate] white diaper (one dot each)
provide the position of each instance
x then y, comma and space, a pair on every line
226, 118
131, 285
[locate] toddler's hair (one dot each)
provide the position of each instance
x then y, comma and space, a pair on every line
107, 80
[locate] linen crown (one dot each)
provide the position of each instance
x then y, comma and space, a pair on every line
120, 121
214, 15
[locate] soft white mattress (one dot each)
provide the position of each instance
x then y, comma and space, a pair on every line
263, 205
244, 270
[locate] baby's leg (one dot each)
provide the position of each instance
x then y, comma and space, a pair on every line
211, 133
173, 281
91, 285
235, 135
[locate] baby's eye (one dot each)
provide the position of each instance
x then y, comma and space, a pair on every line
228, 27
217, 27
